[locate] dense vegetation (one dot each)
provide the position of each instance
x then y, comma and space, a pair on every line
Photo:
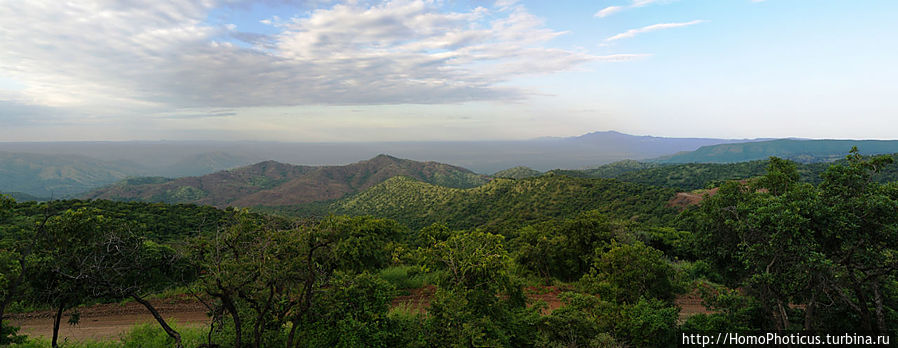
502, 203
692, 176
517, 173
770, 254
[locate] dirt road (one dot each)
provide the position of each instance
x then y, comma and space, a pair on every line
110, 320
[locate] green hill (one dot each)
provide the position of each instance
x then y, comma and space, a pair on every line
23, 197
272, 183
611, 170
500, 203
804, 151
519, 172
692, 176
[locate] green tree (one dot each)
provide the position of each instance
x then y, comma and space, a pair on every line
792, 243
478, 301
564, 249
628, 272
352, 313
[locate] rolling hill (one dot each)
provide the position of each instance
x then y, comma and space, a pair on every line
804, 151
692, 176
67, 175
499, 203
519, 172
272, 183
57, 176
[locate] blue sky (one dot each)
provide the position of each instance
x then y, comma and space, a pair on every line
446, 70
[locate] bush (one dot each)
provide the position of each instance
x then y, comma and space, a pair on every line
8, 335
627, 272
648, 323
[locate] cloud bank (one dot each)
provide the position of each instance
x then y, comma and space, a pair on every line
163, 54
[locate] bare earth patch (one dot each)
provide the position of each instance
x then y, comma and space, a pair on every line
111, 320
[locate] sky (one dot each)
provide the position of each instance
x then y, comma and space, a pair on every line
406, 70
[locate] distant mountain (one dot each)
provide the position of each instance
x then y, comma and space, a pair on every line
519, 172
272, 183
588, 150
65, 175
57, 176
805, 151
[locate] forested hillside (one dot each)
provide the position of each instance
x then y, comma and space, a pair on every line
273, 183
549, 261
500, 203
799, 150
692, 176
519, 172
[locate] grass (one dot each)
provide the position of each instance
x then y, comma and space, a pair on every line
141, 336
407, 277
405, 311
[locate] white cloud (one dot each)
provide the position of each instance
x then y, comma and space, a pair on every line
607, 11
143, 56
633, 32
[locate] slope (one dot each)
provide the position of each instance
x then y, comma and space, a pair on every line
506, 202
519, 172
57, 176
273, 183
805, 151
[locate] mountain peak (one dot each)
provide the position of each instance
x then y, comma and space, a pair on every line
385, 156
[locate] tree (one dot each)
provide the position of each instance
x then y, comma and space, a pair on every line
860, 238
564, 249
627, 272
264, 276
352, 312
18, 241
478, 302
792, 243
87, 255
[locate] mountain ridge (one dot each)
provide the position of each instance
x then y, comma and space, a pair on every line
273, 183
799, 150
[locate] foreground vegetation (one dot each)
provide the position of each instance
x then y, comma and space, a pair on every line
768, 254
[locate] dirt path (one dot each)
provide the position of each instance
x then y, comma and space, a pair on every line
110, 320
107, 321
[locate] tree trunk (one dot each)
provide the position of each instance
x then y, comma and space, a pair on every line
292, 336
862, 305
809, 313
171, 332
783, 315
238, 326
56, 320
880, 315
257, 328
